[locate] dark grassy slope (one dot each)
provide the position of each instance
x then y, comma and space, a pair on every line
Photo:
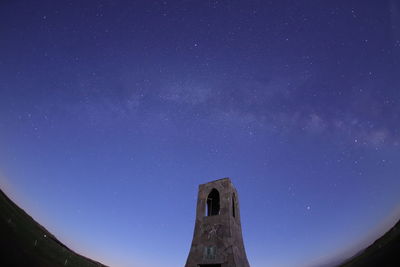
24, 242
384, 252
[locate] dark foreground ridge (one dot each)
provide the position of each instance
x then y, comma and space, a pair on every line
384, 252
24, 242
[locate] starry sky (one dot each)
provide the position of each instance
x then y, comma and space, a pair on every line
112, 112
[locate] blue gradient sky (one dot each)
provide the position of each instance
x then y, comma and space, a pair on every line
112, 112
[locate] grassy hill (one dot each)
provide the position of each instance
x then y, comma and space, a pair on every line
24, 242
384, 252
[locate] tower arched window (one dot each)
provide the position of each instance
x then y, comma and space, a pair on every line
213, 203
233, 205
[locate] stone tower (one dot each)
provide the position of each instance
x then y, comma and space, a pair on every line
217, 239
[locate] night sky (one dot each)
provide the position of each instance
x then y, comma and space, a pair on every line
112, 113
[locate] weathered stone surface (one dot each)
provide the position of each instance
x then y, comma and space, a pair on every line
217, 239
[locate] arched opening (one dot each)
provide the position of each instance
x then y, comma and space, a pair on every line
213, 203
233, 205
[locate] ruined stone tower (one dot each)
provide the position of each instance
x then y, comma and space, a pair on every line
217, 239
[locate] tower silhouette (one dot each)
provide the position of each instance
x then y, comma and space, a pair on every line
217, 239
